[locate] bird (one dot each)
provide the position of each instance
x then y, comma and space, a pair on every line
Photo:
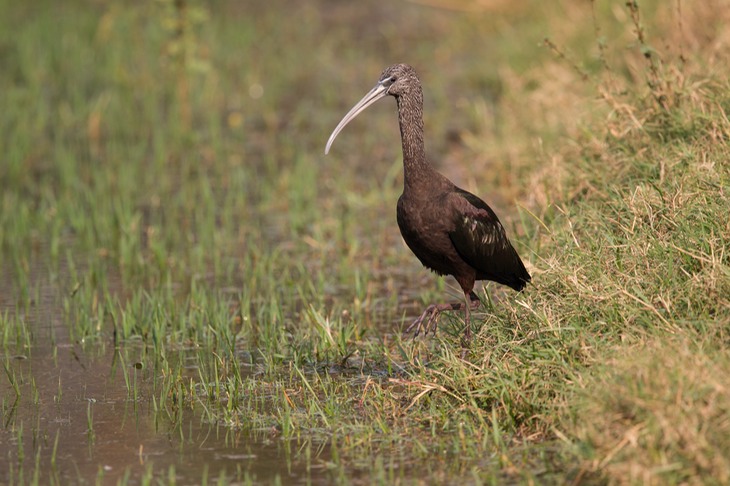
450, 230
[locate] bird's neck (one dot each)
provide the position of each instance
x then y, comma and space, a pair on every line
410, 119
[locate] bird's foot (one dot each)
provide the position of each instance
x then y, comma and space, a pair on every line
428, 321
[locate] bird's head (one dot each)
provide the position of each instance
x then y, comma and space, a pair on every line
397, 80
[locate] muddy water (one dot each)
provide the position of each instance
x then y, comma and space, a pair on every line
127, 438
77, 420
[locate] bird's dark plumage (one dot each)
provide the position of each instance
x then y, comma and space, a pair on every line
450, 230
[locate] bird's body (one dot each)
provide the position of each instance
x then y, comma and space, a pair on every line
450, 230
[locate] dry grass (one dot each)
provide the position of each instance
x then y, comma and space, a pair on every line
645, 263
658, 413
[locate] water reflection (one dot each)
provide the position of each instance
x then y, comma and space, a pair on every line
76, 420
87, 413
90, 411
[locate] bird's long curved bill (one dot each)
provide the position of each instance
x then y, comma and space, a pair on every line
379, 91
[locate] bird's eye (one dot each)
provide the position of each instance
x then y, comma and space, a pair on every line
388, 81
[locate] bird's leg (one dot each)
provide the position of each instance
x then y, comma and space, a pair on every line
471, 301
428, 321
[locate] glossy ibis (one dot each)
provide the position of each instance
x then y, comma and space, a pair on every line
450, 230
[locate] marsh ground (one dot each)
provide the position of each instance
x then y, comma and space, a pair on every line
191, 292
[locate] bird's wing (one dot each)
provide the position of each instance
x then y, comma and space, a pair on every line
477, 235
481, 241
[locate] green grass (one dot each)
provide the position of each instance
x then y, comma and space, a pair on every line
165, 195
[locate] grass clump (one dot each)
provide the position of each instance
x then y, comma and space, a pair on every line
656, 412
640, 269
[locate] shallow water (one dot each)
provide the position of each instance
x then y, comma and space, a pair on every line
127, 436
87, 412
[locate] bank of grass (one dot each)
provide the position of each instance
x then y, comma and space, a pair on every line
178, 196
